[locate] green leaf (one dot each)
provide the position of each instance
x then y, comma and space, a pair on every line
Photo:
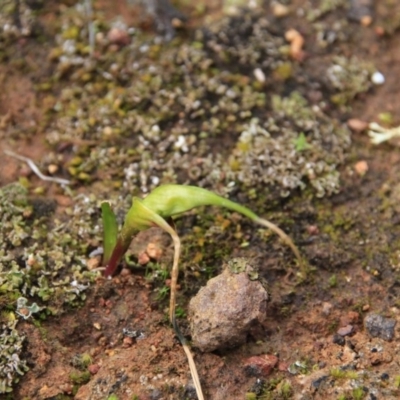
110, 228
300, 143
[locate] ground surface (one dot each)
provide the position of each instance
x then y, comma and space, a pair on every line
111, 339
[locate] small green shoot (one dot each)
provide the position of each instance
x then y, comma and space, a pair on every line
157, 209
358, 393
333, 281
300, 143
110, 229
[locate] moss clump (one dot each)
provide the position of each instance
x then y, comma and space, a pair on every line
349, 77
80, 378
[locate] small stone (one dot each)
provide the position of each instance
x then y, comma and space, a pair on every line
107, 131
385, 376
225, 310
93, 368
357, 125
279, 10
153, 251
118, 36
351, 317
338, 339
378, 326
97, 326
378, 78
261, 365
93, 263
312, 230
259, 75
296, 41
316, 383
346, 330
143, 258
361, 168
52, 168
127, 342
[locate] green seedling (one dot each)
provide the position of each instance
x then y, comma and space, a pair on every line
157, 209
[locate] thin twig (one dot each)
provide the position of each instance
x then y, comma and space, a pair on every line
36, 170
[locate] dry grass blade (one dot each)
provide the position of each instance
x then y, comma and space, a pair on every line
172, 306
35, 169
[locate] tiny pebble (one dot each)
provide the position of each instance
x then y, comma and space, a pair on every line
378, 78
345, 331
279, 10
93, 263
261, 365
93, 369
357, 125
361, 168
52, 168
153, 251
338, 339
259, 75
385, 376
97, 326
127, 341
143, 258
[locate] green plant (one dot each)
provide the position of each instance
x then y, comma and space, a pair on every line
358, 393
156, 210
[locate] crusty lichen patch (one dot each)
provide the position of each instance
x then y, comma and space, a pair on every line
43, 260
214, 111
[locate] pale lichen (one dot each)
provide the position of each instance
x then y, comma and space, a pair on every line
42, 265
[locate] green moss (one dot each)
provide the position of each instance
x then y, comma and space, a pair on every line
338, 373
80, 378
358, 393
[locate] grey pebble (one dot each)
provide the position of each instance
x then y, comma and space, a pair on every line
378, 326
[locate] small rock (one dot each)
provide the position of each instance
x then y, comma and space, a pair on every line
279, 10
316, 383
52, 169
338, 339
378, 78
223, 312
143, 258
357, 125
93, 263
296, 41
346, 330
378, 326
351, 317
361, 167
118, 36
153, 251
127, 342
261, 365
93, 368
